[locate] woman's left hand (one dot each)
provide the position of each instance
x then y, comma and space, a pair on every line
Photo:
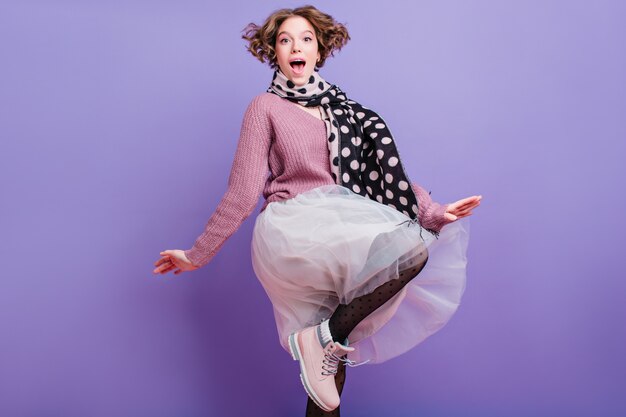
462, 208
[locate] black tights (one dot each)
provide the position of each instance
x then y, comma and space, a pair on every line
347, 316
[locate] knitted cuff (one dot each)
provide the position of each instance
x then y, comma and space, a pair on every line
436, 217
195, 256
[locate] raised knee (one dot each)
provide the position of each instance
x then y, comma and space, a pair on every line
416, 264
421, 258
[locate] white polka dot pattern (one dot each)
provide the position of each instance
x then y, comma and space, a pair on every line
362, 152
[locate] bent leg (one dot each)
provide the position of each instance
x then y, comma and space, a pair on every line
347, 316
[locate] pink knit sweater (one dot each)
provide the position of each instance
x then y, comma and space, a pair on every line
290, 145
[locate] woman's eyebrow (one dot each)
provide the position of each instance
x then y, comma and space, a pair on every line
284, 31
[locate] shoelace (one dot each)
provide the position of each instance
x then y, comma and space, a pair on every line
352, 364
331, 362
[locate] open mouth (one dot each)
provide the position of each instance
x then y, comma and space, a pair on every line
297, 65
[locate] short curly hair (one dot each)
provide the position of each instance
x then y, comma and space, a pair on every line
331, 35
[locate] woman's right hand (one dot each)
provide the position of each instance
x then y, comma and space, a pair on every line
173, 259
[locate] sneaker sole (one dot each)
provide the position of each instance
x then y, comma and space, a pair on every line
294, 349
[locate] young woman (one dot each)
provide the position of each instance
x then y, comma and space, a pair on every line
343, 232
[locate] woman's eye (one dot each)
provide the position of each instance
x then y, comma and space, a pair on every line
309, 38
283, 39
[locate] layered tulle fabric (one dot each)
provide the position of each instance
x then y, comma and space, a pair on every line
329, 245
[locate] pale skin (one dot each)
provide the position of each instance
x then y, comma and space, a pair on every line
296, 39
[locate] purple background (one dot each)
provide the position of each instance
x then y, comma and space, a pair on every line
119, 121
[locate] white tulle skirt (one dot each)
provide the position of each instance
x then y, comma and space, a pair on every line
329, 245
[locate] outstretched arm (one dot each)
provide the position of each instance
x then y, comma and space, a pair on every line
245, 185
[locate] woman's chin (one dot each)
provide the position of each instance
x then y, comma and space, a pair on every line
300, 79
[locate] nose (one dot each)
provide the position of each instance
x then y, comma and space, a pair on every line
296, 47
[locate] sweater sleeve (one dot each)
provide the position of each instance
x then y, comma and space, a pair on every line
431, 214
247, 178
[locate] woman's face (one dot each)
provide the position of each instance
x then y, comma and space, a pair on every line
296, 49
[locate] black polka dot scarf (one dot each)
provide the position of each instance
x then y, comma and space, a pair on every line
363, 156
